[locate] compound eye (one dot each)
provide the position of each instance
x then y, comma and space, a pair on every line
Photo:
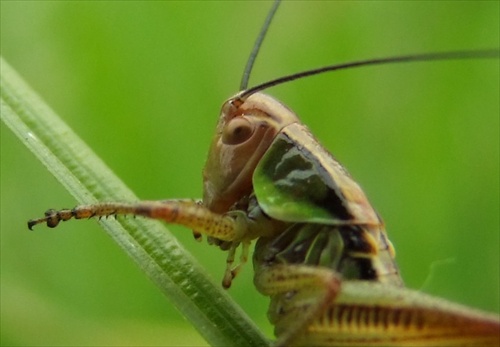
237, 131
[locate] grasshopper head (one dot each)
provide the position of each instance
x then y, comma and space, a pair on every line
245, 130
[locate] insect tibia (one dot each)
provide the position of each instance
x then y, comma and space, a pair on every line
232, 271
188, 213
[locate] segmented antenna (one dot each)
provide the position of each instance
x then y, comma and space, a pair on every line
426, 57
257, 45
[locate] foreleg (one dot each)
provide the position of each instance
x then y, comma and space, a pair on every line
184, 212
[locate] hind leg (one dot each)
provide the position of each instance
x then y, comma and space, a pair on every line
298, 294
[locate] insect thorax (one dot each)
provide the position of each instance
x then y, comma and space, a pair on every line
356, 252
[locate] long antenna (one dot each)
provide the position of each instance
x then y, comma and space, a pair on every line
426, 57
257, 45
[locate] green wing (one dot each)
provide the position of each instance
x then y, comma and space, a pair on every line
297, 180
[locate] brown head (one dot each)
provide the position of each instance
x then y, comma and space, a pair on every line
246, 129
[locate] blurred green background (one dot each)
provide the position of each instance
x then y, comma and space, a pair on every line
142, 84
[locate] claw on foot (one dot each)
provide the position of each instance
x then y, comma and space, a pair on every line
52, 218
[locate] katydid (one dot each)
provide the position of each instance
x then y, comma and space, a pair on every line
322, 253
